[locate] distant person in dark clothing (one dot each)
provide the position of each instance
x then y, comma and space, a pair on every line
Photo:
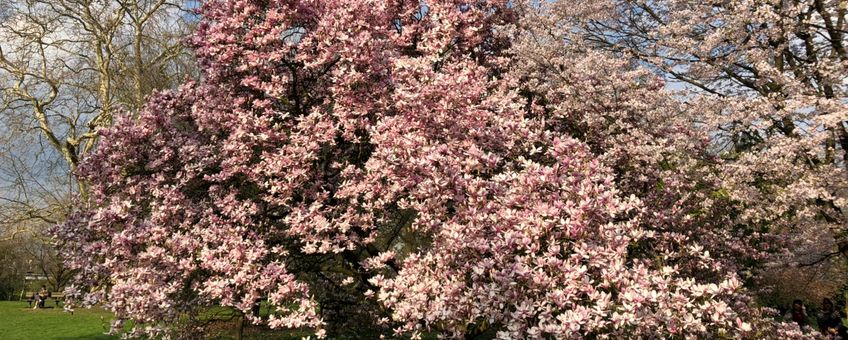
829, 319
798, 313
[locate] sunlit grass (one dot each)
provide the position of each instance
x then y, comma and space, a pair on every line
17, 321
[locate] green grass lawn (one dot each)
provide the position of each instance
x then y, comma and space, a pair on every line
19, 322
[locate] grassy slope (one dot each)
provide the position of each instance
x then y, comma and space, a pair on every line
19, 322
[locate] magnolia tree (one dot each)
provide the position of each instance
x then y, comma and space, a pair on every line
767, 82
441, 168
769, 78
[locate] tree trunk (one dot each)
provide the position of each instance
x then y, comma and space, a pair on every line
240, 328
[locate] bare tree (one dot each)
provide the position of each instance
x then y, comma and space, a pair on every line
67, 67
